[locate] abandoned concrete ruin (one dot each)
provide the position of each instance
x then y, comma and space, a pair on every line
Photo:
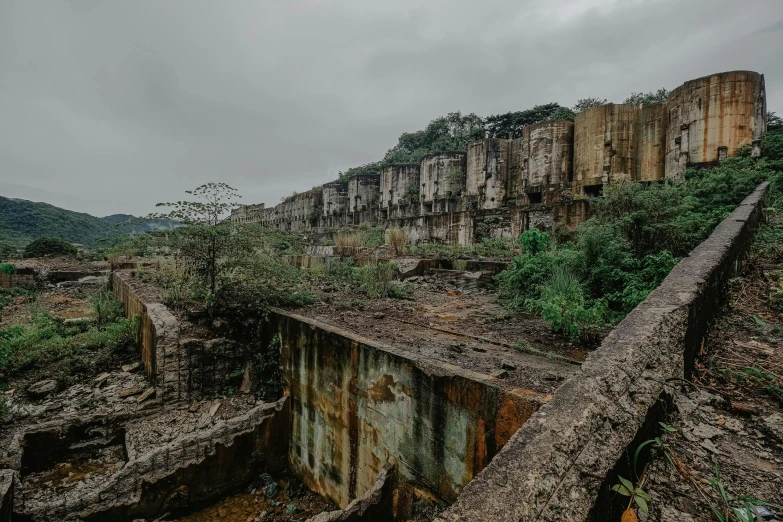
376, 426
537, 180
373, 427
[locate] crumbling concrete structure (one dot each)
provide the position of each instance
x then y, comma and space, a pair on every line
400, 191
712, 116
531, 180
442, 182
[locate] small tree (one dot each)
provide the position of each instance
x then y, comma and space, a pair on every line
586, 103
648, 98
208, 243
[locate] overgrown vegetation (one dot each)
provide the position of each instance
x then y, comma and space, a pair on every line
377, 280
48, 247
598, 273
397, 240
49, 347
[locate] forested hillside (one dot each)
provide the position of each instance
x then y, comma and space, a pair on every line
22, 221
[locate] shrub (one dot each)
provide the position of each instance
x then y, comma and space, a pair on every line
562, 304
106, 308
49, 347
534, 241
6, 251
376, 280
49, 246
397, 239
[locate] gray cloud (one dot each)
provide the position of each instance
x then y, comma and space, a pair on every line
111, 106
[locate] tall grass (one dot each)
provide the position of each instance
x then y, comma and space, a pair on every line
397, 239
348, 244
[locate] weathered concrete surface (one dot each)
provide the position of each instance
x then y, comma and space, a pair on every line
400, 190
158, 339
377, 505
547, 154
553, 467
356, 404
197, 466
605, 145
6, 494
653, 120
442, 178
487, 173
711, 116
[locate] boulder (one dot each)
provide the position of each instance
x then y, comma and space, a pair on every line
42, 388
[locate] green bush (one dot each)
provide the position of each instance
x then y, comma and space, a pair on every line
636, 235
49, 246
772, 145
562, 304
534, 241
376, 280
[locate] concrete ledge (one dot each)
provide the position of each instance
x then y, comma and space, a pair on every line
553, 467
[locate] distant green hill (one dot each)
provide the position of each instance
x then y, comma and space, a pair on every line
22, 221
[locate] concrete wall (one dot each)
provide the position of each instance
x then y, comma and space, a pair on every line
442, 181
553, 468
711, 116
335, 209
180, 368
158, 338
605, 145
6, 494
651, 137
547, 154
364, 198
21, 277
357, 404
399, 190
703, 121
487, 172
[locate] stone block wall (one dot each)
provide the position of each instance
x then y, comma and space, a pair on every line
554, 466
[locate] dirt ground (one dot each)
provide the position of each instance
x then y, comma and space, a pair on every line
727, 433
467, 329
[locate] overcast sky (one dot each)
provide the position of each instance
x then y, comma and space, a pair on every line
109, 106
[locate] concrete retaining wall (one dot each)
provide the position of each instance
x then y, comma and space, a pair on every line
553, 468
22, 277
357, 404
158, 338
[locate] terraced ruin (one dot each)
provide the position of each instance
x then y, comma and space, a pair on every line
413, 394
